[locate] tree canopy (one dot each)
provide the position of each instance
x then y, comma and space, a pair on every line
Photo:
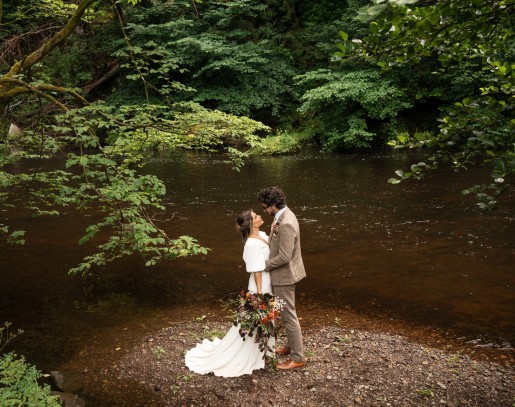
469, 38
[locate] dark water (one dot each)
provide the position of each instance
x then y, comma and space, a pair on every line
417, 251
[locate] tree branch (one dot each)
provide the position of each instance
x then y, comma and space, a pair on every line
57, 39
24, 87
108, 75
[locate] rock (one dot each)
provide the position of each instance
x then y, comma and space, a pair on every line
69, 399
66, 382
15, 130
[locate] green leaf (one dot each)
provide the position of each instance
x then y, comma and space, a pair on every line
373, 27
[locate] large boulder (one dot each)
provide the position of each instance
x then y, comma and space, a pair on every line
66, 382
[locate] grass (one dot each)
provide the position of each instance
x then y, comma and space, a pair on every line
158, 352
382, 400
214, 333
452, 360
426, 393
185, 378
345, 339
200, 319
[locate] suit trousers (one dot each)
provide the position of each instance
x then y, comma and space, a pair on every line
290, 321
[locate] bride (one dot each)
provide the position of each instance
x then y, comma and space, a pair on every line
232, 356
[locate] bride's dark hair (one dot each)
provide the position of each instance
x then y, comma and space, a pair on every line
244, 224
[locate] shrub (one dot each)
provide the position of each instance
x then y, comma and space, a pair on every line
18, 384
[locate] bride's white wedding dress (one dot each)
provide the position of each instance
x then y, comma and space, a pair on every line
232, 356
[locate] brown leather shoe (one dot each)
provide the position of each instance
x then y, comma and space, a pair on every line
282, 350
291, 364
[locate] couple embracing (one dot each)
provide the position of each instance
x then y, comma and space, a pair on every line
275, 265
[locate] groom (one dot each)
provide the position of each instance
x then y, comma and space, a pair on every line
286, 268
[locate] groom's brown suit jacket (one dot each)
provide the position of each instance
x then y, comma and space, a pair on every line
285, 263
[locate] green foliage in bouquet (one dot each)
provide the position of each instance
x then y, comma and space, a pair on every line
258, 316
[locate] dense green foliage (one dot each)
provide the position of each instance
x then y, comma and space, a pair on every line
270, 61
345, 101
470, 39
18, 379
19, 386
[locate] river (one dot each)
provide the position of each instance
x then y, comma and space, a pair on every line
417, 252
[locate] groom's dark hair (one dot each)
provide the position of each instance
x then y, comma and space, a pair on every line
272, 196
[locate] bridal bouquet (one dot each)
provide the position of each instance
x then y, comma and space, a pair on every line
258, 315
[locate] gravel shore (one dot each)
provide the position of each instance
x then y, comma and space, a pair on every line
345, 367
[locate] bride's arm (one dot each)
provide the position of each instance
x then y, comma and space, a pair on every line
258, 278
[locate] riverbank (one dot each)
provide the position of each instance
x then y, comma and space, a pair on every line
346, 367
